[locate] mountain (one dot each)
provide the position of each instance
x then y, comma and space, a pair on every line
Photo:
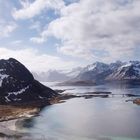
74, 72
17, 84
127, 71
51, 76
95, 72
114, 66
99, 72
57, 75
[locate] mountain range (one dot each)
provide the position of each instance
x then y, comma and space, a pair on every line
18, 85
57, 75
97, 72
100, 72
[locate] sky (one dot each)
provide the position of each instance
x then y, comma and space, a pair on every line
63, 34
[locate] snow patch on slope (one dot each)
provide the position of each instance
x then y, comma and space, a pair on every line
3, 76
98, 67
18, 92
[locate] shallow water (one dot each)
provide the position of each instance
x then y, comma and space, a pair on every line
88, 119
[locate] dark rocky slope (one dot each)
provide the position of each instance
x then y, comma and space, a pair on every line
17, 85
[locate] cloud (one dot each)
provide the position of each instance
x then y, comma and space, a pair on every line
6, 28
88, 26
33, 9
36, 61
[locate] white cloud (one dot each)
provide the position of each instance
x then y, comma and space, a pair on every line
35, 61
30, 10
6, 28
89, 25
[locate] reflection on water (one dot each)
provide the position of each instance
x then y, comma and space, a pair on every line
114, 88
92, 119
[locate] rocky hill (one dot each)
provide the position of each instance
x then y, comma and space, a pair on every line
17, 84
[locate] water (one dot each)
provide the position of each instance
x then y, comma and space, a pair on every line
88, 119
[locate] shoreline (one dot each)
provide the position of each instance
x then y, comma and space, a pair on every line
8, 120
10, 114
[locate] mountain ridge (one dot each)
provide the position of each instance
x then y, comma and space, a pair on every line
99, 72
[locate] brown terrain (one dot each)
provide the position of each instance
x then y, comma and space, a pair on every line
8, 112
137, 101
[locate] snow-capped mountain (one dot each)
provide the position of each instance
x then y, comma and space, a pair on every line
127, 71
100, 72
94, 72
17, 84
97, 72
114, 66
98, 67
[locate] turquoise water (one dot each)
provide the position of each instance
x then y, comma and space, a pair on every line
88, 119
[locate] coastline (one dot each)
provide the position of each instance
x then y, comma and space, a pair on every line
10, 114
